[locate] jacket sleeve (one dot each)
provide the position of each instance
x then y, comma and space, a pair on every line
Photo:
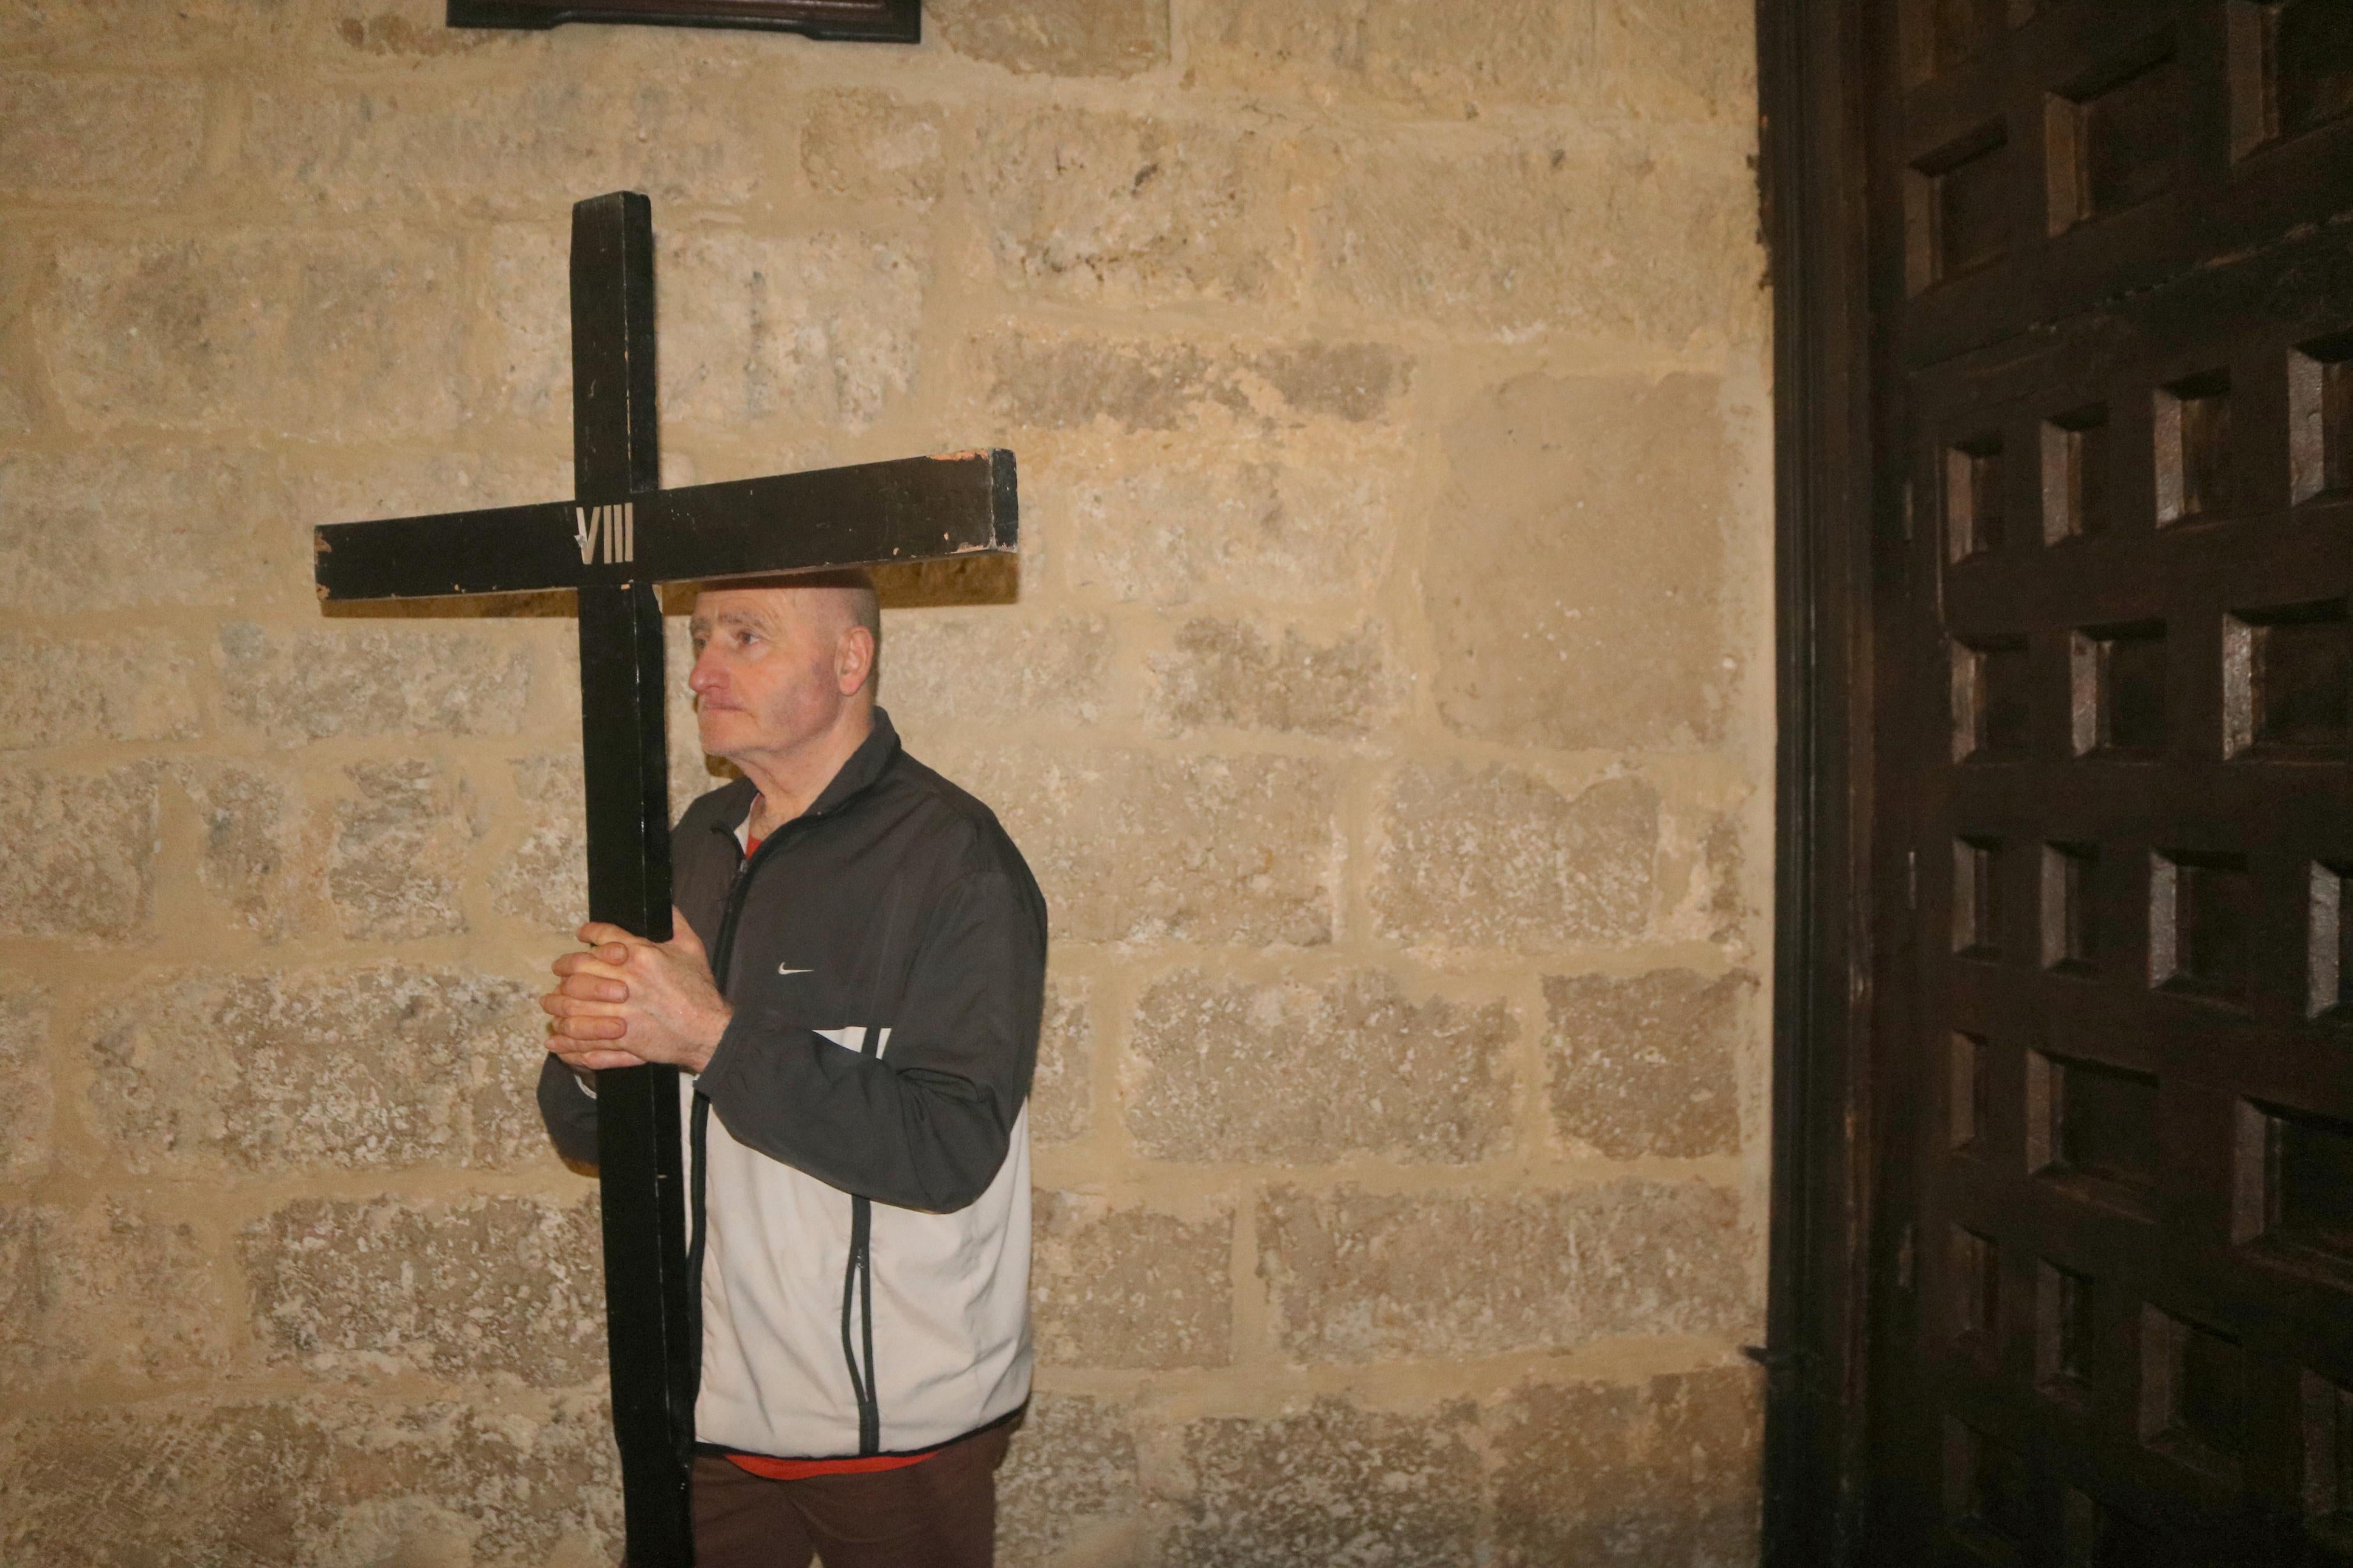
926, 1124
569, 1108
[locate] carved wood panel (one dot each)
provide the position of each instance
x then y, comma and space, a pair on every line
2120, 539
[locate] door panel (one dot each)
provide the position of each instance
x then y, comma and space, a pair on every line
2118, 368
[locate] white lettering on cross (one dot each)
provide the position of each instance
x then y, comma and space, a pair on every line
613, 527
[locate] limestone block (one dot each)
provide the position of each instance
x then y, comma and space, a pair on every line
1130, 1287
1275, 477
692, 775
1362, 1276
65, 690
313, 1483
257, 856
115, 29
356, 678
82, 864
289, 1070
1134, 846
400, 852
1633, 238
1237, 673
1205, 520
1353, 382
35, 1336
1296, 1074
814, 329
113, 1289
19, 397
1646, 1064
1679, 59
1580, 598
1056, 37
1656, 1475
503, 1104
317, 333
1445, 59
1061, 1093
105, 138
497, 1287
1085, 207
949, 670
127, 527
545, 879
820, 330
1498, 858
520, 140
1061, 382
873, 146
407, 30
1335, 1483
1722, 860
530, 316
28, 1109
1070, 1470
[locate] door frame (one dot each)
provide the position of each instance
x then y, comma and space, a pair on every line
1813, 77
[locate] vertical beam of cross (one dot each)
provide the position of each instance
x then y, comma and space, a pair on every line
616, 457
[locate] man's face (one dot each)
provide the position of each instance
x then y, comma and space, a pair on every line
766, 678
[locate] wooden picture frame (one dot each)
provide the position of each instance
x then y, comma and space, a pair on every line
870, 21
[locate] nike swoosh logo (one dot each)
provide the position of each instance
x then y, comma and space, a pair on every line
783, 970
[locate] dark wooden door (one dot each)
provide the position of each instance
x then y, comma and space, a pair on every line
2114, 382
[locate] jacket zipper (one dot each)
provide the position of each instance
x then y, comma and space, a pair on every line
859, 1279
722, 952
855, 1274
858, 1274
699, 1123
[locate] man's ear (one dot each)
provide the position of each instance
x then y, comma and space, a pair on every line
853, 658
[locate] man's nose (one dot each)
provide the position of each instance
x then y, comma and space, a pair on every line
704, 676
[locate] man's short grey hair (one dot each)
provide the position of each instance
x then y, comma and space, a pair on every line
865, 604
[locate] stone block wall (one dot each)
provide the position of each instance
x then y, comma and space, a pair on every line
1383, 697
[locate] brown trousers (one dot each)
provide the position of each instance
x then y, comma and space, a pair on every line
941, 1513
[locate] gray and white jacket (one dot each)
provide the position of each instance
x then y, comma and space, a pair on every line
859, 1143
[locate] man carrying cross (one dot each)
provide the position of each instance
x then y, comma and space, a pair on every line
855, 986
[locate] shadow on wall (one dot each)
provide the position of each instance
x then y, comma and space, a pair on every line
916, 586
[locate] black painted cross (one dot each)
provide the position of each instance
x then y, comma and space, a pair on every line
620, 536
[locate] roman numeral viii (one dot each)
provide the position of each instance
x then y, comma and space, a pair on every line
605, 533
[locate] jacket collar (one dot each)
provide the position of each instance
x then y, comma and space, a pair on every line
864, 769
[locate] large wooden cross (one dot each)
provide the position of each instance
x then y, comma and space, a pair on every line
616, 538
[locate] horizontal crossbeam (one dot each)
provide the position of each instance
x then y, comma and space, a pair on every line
913, 509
